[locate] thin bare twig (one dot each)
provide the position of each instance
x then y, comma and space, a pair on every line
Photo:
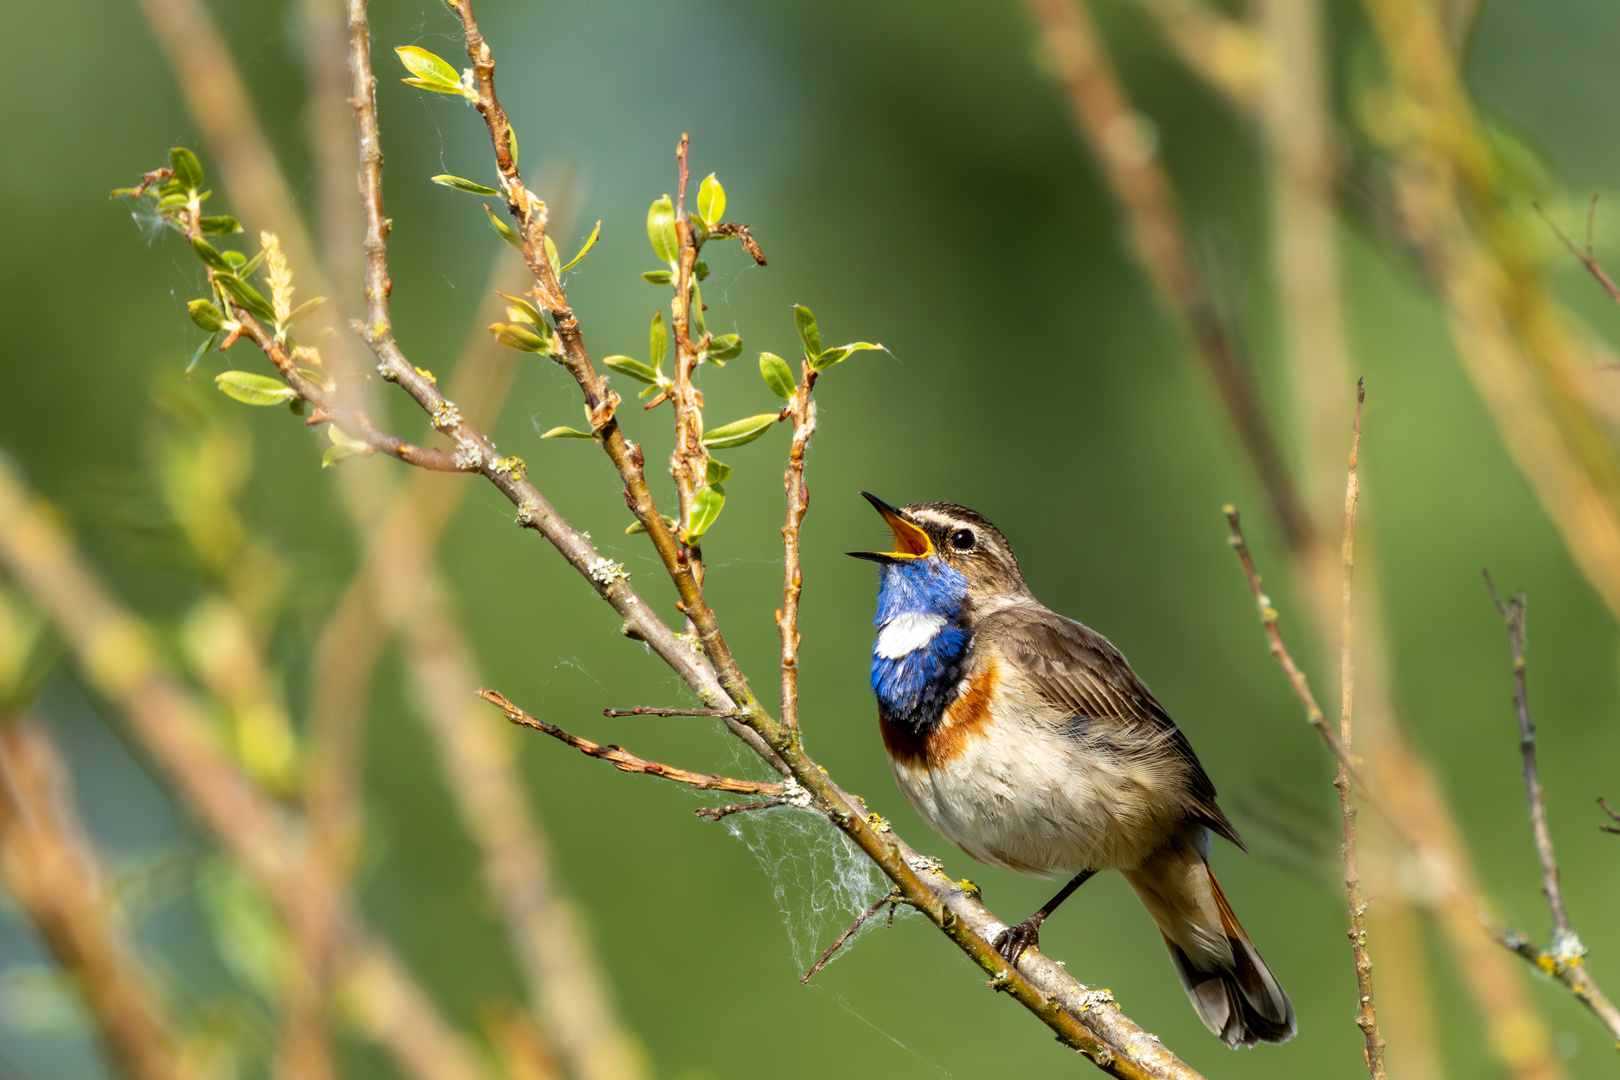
715, 813
1366, 1013
1613, 816
1565, 960
1515, 611
643, 711
1296, 678
860, 921
1587, 258
625, 761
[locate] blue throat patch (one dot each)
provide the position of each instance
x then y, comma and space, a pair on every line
913, 689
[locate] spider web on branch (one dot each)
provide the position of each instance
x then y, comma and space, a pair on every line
819, 879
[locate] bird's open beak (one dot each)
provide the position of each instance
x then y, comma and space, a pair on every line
910, 542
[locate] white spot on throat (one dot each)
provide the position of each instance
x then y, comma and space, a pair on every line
907, 633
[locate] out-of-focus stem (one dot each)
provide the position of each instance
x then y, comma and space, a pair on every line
49, 866
568, 992
1112, 130
116, 652
1297, 131
1225, 52
398, 590
1515, 343
1304, 246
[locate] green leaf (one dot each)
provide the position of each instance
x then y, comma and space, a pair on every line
739, 432
695, 316
551, 254
651, 390
196, 357
206, 314
711, 201
833, 356
246, 933
244, 265
511, 136
590, 242
305, 310
658, 340
210, 255
661, 230
726, 347
657, 277
566, 433
520, 337
335, 454
248, 297
187, 169
706, 506
171, 202
809, 334
777, 375
700, 270
431, 72
637, 527
219, 225
717, 473
446, 180
343, 447
529, 312
508, 233
251, 389
633, 368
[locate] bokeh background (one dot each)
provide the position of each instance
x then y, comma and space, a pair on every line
914, 177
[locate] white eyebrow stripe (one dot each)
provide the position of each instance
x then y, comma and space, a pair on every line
907, 633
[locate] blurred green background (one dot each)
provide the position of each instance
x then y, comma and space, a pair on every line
915, 179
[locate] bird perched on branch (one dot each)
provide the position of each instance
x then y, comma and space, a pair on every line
1026, 739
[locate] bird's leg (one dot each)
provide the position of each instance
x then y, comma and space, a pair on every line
1011, 942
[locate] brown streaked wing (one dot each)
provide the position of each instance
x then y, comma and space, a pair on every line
1080, 672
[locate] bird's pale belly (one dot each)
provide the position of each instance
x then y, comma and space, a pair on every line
1020, 792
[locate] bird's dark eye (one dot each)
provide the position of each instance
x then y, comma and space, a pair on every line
962, 539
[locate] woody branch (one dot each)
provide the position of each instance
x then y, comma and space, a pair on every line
1081, 1018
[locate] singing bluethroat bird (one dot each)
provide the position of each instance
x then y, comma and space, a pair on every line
1027, 740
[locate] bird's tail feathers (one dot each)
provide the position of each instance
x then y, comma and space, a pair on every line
1231, 988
